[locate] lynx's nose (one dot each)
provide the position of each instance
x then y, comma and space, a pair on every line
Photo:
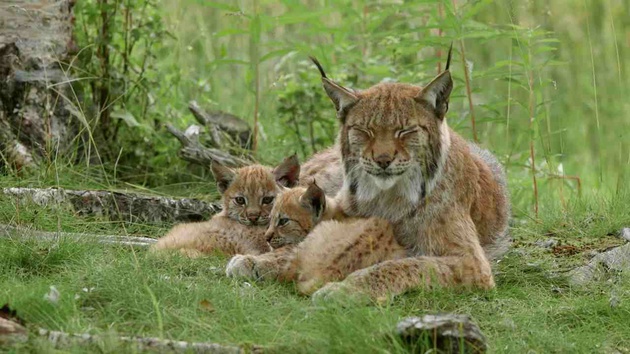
384, 161
253, 217
268, 236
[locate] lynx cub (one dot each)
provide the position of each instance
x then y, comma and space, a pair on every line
315, 244
248, 197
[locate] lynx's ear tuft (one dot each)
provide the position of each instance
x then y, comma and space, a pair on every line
287, 173
448, 57
341, 97
315, 199
437, 93
224, 176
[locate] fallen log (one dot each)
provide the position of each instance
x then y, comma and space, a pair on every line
62, 339
12, 332
117, 206
27, 233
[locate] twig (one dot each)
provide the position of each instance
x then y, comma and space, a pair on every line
471, 107
439, 34
577, 179
532, 152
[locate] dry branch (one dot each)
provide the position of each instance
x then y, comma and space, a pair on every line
228, 137
193, 151
117, 206
23, 232
237, 129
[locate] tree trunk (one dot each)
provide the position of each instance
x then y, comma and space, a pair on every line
36, 122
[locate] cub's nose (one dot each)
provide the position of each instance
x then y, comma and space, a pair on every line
253, 217
384, 161
269, 236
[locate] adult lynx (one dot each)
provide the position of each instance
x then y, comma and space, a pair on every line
446, 198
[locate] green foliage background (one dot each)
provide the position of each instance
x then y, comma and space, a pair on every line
554, 74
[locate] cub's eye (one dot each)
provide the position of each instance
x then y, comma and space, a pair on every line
240, 200
267, 200
282, 221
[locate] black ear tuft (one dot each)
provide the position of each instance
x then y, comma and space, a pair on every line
314, 198
287, 173
341, 97
318, 65
224, 176
448, 57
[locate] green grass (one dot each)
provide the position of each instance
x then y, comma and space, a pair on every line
131, 292
574, 52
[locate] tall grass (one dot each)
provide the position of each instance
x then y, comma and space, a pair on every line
541, 104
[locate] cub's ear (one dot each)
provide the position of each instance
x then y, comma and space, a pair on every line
437, 93
287, 173
224, 176
315, 199
342, 97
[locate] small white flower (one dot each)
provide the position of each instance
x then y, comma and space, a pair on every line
53, 295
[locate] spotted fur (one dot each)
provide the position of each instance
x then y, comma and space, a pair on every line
315, 244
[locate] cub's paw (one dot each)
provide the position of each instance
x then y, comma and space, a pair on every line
241, 266
340, 293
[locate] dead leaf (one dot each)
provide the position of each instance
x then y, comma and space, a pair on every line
206, 305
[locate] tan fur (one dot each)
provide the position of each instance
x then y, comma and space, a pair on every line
329, 247
220, 234
240, 227
325, 168
446, 199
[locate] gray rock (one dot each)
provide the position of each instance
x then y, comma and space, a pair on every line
546, 243
625, 233
11, 332
614, 260
448, 333
614, 300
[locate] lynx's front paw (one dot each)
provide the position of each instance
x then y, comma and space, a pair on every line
341, 293
241, 266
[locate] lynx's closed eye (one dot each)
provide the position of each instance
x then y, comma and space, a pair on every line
401, 133
283, 221
267, 200
240, 200
363, 130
